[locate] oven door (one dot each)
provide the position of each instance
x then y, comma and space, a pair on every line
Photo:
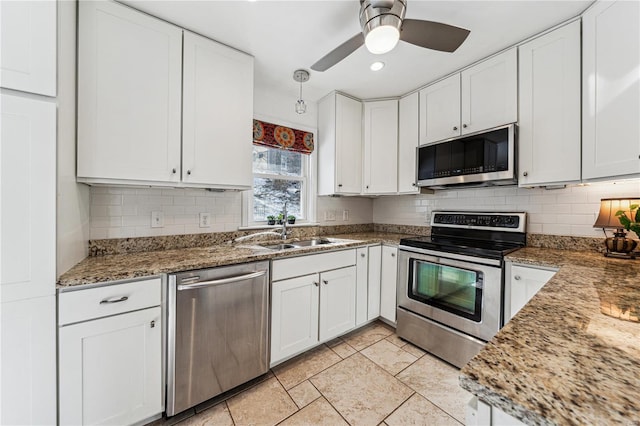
455, 290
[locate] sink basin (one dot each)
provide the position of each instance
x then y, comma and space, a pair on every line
313, 242
297, 244
278, 246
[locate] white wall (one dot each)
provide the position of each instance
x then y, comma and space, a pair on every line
72, 198
568, 211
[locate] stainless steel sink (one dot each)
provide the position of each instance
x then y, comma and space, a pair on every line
297, 244
312, 242
278, 246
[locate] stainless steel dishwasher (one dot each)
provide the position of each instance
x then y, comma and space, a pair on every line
218, 332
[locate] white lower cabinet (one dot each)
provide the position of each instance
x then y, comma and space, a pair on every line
388, 279
373, 282
479, 413
110, 368
313, 299
523, 282
28, 368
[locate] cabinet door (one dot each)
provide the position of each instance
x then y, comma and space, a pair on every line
28, 362
129, 94
388, 280
110, 369
380, 147
611, 90
217, 114
28, 46
375, 259
348, 145
524, 283
294, 316
362, 266
28, 198
549, 124
490, 93
440, 110
407, 143
337, 302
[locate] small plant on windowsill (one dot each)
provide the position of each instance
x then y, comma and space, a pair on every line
280, 219
271, 220
291, 219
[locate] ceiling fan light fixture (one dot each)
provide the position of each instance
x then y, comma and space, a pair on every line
382, 39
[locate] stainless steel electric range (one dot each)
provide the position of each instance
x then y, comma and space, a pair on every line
451, 284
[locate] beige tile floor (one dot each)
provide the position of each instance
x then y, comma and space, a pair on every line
368, 377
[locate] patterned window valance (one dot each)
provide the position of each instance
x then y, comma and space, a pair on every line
274, 136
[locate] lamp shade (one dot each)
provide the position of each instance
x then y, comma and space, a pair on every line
608, 207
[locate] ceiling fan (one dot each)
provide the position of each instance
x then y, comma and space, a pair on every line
383, 24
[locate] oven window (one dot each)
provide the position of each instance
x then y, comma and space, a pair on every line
455, 290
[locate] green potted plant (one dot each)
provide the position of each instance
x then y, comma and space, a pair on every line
280, 219
630, 225
291, 219
271, 220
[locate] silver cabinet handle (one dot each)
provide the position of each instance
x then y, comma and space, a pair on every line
393, 255
455, 128
362, 255
325, 282
223, 280
525, 174
115, 300
173, 171
188, 172
464, 125
316, 283
517, 278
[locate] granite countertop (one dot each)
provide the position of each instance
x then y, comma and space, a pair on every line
572, 354
127, 266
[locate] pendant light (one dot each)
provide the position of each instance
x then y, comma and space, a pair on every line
301, 76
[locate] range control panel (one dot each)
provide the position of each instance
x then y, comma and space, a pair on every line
502, 221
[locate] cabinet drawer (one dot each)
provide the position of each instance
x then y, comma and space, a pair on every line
82, 305
313, 263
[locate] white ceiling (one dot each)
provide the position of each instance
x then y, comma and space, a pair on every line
286, 35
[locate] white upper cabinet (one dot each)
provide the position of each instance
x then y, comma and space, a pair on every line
490, 93
28, 46
380, 147
129, 90
407, 143
28, 198
549, 122
217, 114
147, 117
480, 97
611, 90
440, 110
339, 145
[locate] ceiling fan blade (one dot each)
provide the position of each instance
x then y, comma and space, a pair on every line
433, 35
339, 53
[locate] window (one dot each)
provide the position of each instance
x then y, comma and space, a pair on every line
283, 164
279, 176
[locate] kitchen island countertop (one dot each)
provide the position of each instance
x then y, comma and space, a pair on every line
572, 354
117, 267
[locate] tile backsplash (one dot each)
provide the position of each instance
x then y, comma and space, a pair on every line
568, 211
120, 212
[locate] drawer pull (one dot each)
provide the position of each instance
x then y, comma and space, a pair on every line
517, 278
153, 324
115, 300
325, 282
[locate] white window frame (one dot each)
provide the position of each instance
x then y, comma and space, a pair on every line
310, 185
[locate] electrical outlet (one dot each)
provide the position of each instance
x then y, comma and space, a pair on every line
205, 220
345, 214
157, 219
329, 215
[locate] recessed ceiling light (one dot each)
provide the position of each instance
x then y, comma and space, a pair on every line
377, 66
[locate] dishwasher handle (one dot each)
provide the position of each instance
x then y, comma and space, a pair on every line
229, 280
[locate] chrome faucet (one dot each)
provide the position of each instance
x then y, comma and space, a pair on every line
283, 233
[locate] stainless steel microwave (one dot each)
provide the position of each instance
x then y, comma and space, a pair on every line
481, 159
